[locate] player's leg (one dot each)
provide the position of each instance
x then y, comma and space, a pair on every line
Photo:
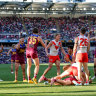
95, 67
45, 72
16, 70
36, 70
86, 71
23, 72
63, 82
79, 71
58, 66
12, 66
64, 74
49, 67
29, 64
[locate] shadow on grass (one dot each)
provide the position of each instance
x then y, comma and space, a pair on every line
54, 93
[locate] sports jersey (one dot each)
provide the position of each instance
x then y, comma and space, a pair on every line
54, 49
13, 54
31, 51
82, 44
19, 58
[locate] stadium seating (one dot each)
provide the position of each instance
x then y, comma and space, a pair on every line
10, 27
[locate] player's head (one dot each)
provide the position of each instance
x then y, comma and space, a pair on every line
35, 30
13, 45
70, 49
21, 41
83, 31
57, 36
66, 67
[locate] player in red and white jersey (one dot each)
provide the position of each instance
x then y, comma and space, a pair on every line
82, 46
54, 46
72, 72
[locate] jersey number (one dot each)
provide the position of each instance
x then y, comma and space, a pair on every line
32, 40
83, 42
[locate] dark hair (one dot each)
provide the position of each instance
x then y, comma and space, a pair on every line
83, 30
56, 35
70, 46
13, 45
35, 30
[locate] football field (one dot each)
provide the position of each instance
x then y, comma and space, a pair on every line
8, 88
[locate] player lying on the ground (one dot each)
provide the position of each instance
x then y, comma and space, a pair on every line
71, 70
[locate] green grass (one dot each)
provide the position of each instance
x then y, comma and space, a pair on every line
8, 88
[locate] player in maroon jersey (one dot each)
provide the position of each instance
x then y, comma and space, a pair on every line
19, 58
13, 53
31, 52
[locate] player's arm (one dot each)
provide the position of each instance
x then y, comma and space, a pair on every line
48, 46
67, 59
1, 48
88, 46
62, 50
46, 41
9, 52
93, 38
17, 46
75, 48
41, 41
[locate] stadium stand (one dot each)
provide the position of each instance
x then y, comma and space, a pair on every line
10, 27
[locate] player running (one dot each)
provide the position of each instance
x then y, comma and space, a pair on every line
31, 52
54, 46
13, 53
82, 46
19, 59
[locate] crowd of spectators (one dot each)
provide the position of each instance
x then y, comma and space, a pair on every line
10, 28
68, 27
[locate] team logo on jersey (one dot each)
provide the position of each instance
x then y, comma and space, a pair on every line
56, 47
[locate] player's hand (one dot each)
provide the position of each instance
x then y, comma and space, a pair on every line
48, 54
7, 54
46, 41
